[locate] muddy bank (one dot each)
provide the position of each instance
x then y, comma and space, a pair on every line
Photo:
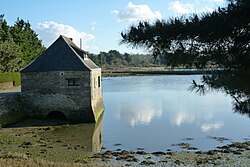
235, 154
52, 145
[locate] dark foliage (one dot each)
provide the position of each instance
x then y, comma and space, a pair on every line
19, 45
217, 39
234, 84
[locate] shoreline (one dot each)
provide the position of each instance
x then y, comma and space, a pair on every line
154, 71
28, 144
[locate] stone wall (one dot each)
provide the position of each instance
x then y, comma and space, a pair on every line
10, 109
45, 92
96, 93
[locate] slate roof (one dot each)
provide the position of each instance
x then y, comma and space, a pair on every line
62, 55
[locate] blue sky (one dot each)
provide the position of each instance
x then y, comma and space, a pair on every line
98, 22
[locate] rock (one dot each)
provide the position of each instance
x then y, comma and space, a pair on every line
81, 161
192, 148
141, 153
237, 152
130, 158
65, 145
26, 144
169, 153
43, 151
44, 138
183, 145
168, 156
221, 139
45, 128
140, 148
157, 153
147, 162
226, 151
125, 152
43, 145
97, 156
189, 138
177, 162
199, 162
28, 154
211, 152
60, 141
239, 145
107, 154
125, 156
223, 147
77, 146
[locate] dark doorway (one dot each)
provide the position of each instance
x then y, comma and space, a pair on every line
56, 115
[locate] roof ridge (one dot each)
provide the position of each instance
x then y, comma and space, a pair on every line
81, 59
70, 42
67, 55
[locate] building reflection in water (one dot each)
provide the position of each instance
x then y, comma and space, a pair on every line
87, 136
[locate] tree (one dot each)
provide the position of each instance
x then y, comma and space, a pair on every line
217, 39
19, 45
27, 39
10, 57
4, 30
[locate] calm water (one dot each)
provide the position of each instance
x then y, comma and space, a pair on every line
154, 112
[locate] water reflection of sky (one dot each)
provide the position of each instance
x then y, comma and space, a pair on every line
155, 112
141, 111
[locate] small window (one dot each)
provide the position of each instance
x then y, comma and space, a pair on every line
99, 81
73, 82
94, 82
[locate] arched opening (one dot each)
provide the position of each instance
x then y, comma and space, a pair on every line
56, 115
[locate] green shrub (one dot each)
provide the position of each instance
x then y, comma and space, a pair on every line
11, 76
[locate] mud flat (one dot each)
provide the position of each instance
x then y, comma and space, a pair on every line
20, 146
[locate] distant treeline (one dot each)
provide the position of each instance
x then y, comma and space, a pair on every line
114, 59
19, 45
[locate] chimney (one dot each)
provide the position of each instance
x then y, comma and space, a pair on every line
85, 56
80, 43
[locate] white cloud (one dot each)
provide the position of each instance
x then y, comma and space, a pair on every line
49, 31
206, 9
132, 13
216, 1
181, 8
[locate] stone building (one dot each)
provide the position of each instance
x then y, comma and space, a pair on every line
62, 82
